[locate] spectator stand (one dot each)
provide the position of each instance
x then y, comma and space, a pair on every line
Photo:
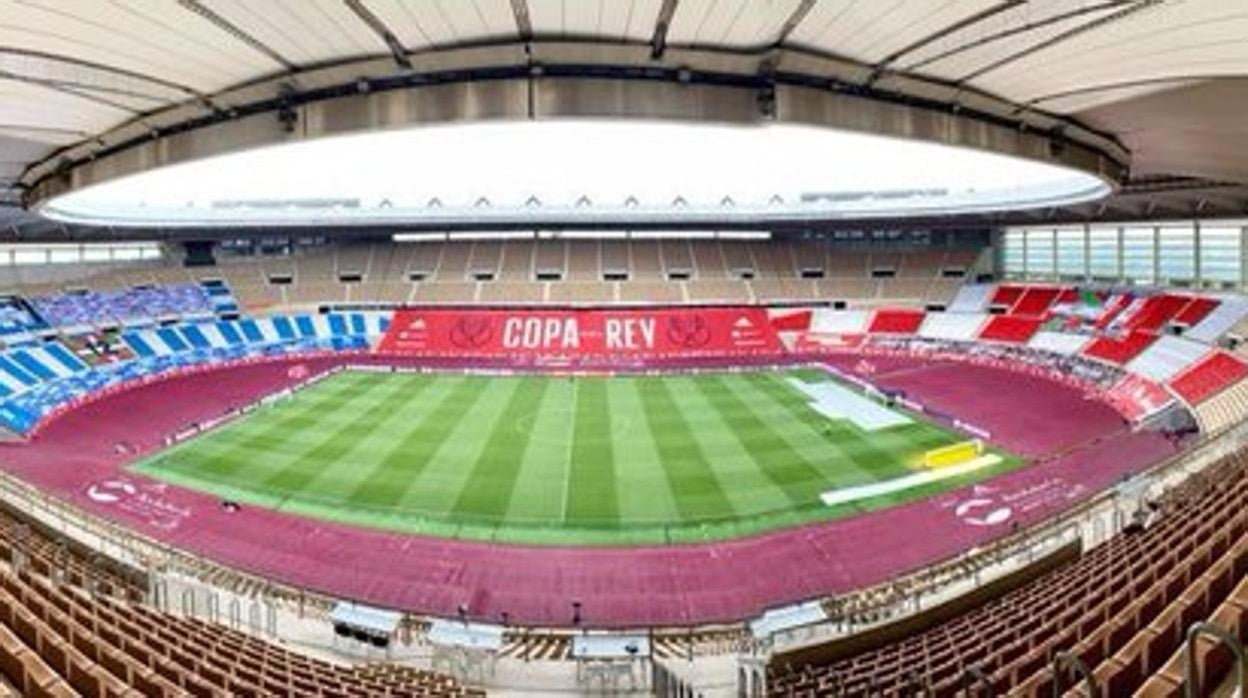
604, 660
467, 651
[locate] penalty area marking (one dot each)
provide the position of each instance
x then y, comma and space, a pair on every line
900, 484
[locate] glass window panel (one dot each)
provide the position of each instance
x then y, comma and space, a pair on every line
36, 255
95, 253
1103, 252
1138, 254
1040, 252
1177, 250
1220, 253
1012, 251
64, 255
1070, 252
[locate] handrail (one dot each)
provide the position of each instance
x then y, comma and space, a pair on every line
1191, 684
1075, 667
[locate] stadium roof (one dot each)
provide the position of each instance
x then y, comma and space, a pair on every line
1154, 85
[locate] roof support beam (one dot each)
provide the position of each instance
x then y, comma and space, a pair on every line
1121, 85
1018, 31
987, 13
67, 90
658, 42
1125, 12
383, 32
524, 23
121, 72
799, 13
203, 11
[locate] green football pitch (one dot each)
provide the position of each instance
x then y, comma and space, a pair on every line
559, 460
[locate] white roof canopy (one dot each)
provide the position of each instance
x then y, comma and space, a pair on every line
69, 71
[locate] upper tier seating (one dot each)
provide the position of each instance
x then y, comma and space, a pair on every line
1230, 310
1154, 312
897, 321
95, 308
839, 322
961, 327
1010, 328
1167, 357
1122, 608
17, 318
1119, 350
1209, 376
640, 271
1035, 301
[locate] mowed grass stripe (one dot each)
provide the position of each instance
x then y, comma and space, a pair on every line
438, 484
332, 449
384, 484
283, 423
779, 462
643, 494
494, 473
826, 444
537, 498
696, 490
858, 453
591, 476
747, 488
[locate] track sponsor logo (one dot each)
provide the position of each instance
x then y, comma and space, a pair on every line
985, 506
110, 491
148, 503
983, 511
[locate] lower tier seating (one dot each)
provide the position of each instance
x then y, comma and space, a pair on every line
60, 640
1122, 609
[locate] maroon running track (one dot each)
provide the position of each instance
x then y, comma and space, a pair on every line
77, 458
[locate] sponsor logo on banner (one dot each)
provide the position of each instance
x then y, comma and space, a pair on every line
688, 331
471, 332
146, 502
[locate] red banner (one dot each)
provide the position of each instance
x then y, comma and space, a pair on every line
553, 335
1136, 398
